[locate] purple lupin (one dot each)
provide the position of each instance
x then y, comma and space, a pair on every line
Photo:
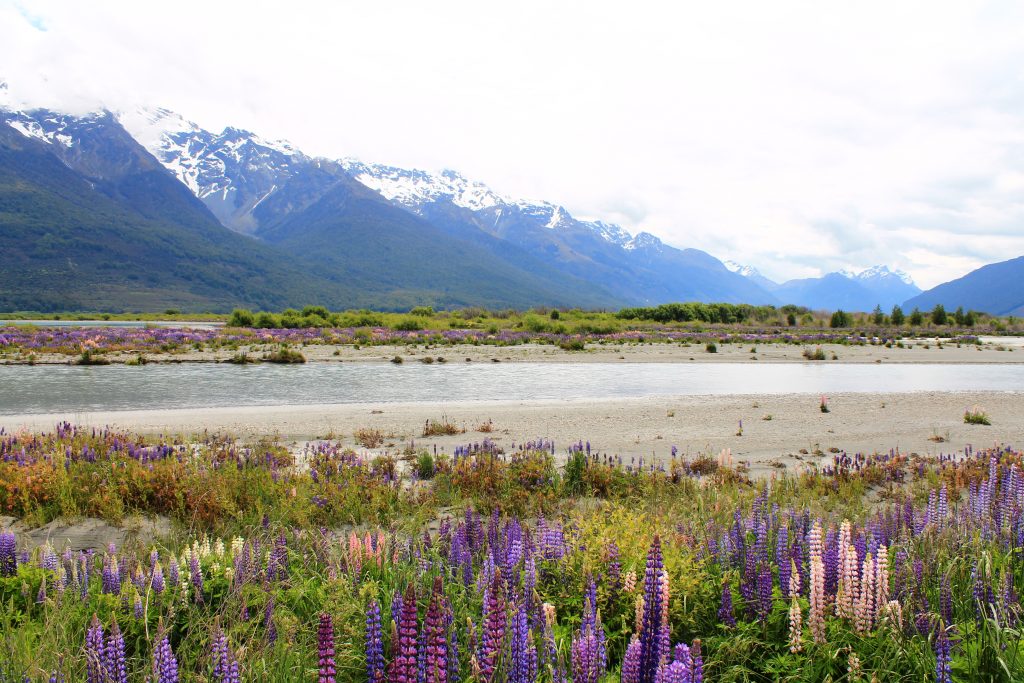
325, 648
374, 644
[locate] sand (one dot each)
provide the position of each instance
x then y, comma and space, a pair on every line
991, 350
779, 431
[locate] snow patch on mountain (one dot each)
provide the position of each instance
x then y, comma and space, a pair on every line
875, 273
739, 268
414, 188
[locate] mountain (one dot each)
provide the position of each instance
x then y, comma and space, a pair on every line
848, 290
312, 206
997, 288
889, 287
90, 220
639, 269
753, 274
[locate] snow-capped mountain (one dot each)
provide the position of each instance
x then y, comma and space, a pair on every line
254, 186
845, 289
417, 189
876, 274
639, 268
232, 172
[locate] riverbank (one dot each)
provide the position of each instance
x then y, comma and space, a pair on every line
777, 431
931, 350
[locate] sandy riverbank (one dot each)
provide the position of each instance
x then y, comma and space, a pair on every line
991, 350
912, 422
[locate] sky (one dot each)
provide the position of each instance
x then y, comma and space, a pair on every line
796, 137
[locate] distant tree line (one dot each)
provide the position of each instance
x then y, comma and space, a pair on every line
711, 313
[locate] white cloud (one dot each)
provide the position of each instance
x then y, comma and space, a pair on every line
799, 137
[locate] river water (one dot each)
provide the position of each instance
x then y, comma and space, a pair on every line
62, 389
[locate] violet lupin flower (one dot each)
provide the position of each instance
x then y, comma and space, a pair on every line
436, 656
650, 635
113, 660
495, 622
698, 661
631, 662
268, 622
374, 644
404, 657
725, 610
764, 591
585, 665
173, 572
522, 651
157, 581
453, 649
943, 671
196, 572
94, 655
325, 648
8, 554
165, 664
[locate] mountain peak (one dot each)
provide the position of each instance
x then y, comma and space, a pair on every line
877, 272
745, 271
644, 240
413, 187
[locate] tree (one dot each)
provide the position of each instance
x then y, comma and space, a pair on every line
916, 317
791, 320
939, 316
896, 317
959, 317
877, 316
841, 319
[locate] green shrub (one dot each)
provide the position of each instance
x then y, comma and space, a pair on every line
711, 347
408, 325
976, 416
817, 354
425, 466
284, 355
88, 358
241, 317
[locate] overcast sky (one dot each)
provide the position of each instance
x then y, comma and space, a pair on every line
798, 137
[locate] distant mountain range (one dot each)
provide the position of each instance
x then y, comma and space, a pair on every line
850, 291
144, 210
997, 288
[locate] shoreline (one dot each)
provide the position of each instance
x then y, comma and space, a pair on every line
993, 350
781, 431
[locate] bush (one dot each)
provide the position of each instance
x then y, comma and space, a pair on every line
711, 347
241, 317
572, 345
976, 416
425, 466
408, 325
817, 354
369, 438
284, 355
422, 311
841, 319
441, 427
87, 358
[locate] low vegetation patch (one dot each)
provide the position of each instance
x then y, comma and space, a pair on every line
976, 416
